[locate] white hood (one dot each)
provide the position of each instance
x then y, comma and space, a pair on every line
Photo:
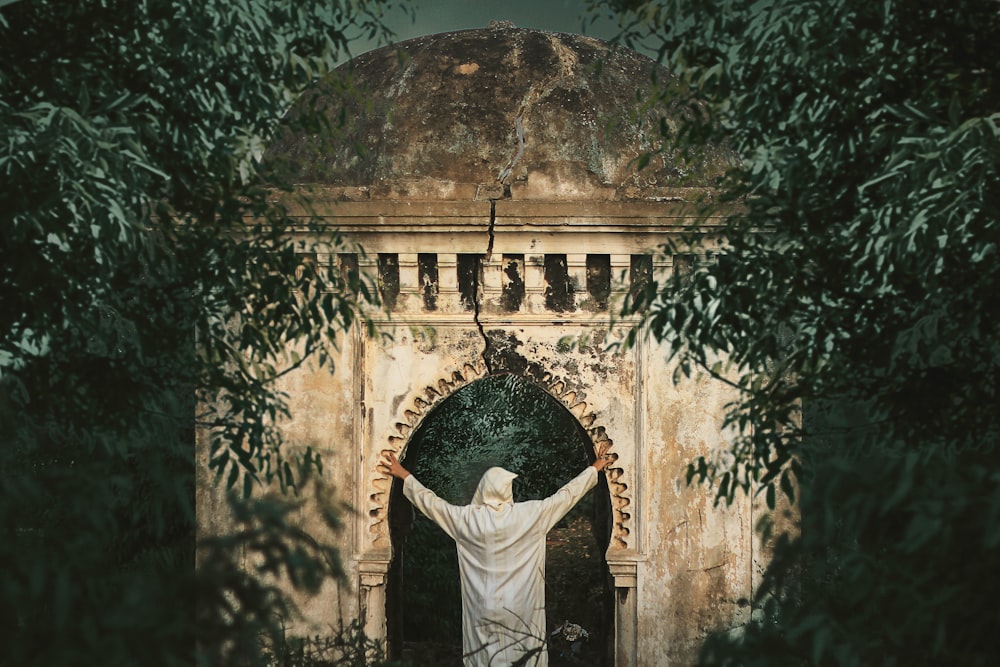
495, 489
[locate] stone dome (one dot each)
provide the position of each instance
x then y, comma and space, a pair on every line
499, 112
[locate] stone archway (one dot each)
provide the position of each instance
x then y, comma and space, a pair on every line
620, 557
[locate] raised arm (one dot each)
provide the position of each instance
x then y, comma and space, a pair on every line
562, 501
440, 511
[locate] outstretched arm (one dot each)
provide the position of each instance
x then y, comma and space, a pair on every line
444, 514
562, 501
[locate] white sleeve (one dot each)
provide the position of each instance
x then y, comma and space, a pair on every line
562, 501
439, 511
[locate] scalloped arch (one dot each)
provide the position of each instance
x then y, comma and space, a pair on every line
421, 401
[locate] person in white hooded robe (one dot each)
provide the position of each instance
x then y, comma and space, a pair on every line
501, 558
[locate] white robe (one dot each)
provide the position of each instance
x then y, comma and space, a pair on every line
501, 558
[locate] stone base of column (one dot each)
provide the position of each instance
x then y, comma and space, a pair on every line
372, 573
623, 565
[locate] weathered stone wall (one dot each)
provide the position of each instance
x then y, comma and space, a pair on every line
699, 556
320, 401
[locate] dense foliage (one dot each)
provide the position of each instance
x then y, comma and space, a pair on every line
859, 285
142, 264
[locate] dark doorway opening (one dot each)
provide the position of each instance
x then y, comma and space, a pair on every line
507, 421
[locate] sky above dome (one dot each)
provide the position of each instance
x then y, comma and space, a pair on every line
434, 16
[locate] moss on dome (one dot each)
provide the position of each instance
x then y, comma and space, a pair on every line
455, 107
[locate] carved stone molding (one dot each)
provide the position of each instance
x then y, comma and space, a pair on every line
419, 404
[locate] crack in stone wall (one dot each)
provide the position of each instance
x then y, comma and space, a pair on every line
519, 132
566, 68
476, 291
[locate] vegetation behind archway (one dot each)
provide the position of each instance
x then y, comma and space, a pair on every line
503, 421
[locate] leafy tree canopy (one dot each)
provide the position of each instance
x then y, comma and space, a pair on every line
860, 282
131, 280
